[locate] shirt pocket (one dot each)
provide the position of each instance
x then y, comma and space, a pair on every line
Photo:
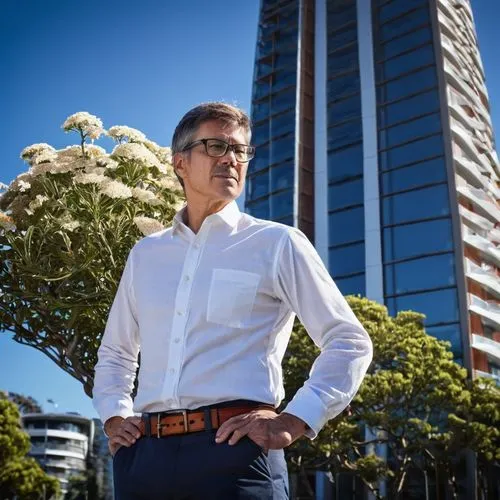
231, 297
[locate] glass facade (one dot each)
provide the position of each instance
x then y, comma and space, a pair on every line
271, 175
415, 118
345, 149
417, 244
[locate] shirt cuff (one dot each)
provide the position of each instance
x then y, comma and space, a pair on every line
307, 406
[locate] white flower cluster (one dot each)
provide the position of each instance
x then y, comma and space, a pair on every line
137, 153
94, 151
121, 132
107, 163
88, 124
65, 160
145, 196
168, 182
30, 152
116, 189
36, 203
71, 225
91, 178
147, 225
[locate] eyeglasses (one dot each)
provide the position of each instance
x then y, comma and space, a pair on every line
218, 148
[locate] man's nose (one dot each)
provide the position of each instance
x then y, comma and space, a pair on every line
229, 158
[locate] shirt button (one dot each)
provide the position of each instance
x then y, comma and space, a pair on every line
187, 278
179, 312
172, 371
197, 246
177, 340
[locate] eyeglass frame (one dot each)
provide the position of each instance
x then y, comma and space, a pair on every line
229, 147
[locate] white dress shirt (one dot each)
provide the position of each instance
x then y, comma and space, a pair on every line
212, 314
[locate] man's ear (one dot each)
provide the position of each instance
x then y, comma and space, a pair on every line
178, 161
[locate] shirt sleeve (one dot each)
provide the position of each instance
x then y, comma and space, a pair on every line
304, 284
117, 363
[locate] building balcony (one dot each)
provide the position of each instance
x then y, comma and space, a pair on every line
491, 376
486, 345
470, 172
475, 221
482, 202
58, 449
486, 248
456, 80
488, 311
487, 278
464, 139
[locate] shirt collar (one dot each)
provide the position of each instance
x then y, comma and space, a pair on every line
230, 214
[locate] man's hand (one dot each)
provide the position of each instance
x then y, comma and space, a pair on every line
271, 431
122, 432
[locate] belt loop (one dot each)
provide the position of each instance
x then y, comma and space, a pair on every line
207, 416
146, 418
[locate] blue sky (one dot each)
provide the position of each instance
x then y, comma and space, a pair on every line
137, 63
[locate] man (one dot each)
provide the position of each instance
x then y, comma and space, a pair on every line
210, 303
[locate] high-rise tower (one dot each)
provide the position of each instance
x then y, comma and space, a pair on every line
373, 133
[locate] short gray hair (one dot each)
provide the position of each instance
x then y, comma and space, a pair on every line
208, 111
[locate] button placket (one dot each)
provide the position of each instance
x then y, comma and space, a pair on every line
180, 318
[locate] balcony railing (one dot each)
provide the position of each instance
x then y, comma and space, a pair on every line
492, 376
489, 311
487, 278
486, 345
484, 204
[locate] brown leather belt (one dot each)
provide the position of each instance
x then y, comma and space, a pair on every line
185, 421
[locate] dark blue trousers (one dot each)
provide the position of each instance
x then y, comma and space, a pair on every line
194, 467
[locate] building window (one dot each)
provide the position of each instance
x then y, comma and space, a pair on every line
404, 132
282, 176
345, 163
404, 43
259, 209
411, 107
281, 205
343, 86
426, 203
412, 152
282, 149
425, 273
392, 9
345, 194
409, 22
343, 60
346, 226
439, 306
345, 260
421, 174
407, 85
345, 134
258, 185
448, 333
421, 238
392, 68
346, 109
282, 124
354, 285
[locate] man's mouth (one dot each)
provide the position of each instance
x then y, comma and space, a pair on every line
226, 176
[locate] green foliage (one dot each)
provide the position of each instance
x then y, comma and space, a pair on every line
20, 476
415, 400
26, 404
68, 225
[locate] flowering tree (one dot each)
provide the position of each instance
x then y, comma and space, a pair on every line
66, 227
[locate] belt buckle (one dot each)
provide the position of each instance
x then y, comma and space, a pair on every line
159, 426
185, 420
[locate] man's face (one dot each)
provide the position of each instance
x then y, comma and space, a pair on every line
213, 179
